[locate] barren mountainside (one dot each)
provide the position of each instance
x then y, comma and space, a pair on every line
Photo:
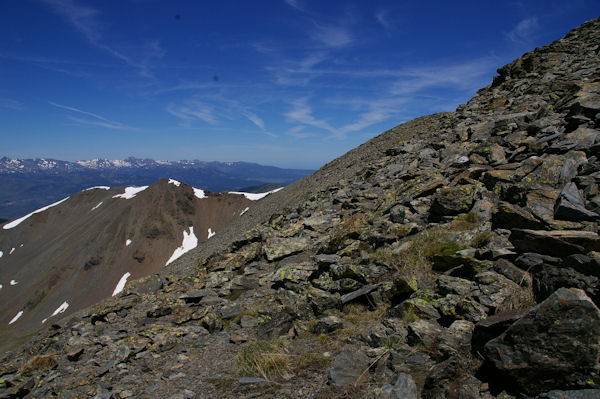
79, 250
454, 256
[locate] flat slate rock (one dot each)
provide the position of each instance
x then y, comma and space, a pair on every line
554, 243
367, 289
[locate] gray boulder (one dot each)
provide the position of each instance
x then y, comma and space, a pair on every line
403, 388
555, 345
348, 366
571, 206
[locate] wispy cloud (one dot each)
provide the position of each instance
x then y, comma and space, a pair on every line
522, 33
193, 110
258, 122
298, 133
383, 17
331, 36
298, 72
11, 104
97, 120
465, 75
86, 20
367, 114
295, 4
302, 113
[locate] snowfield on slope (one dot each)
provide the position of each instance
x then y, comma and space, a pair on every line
18, 221
130, 192
121, 284
199, 193
16, 317
190, 241
255, 196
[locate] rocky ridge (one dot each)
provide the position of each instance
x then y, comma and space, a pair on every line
455, 256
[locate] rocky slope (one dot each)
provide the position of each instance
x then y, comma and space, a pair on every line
451, 257
69, 255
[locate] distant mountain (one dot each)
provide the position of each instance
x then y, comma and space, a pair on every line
28, 184
70, 254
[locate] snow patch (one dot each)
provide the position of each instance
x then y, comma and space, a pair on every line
13, 282
121, 284
244, 211
0, 286
128, 242
96, 207
190, 241
199, 193
210, 233
1, 253
130, 192
11, 251
16, 317
61, 308
18, 221
97, 188
175, 182
255, 196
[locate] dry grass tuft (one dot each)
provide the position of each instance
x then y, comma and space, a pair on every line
263, 359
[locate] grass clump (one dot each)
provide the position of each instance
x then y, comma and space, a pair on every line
482, 239
464, 222
409, 315
441, 248
264, 359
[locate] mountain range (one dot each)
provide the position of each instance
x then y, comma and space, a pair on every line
456, 255
28, 184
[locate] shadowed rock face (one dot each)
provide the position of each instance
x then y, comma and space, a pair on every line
453, 256
555, 345
78, 251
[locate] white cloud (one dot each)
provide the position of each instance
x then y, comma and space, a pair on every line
524, 30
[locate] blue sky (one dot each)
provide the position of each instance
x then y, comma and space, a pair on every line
291, 83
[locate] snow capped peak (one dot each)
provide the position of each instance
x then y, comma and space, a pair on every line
99, 163
175, 182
